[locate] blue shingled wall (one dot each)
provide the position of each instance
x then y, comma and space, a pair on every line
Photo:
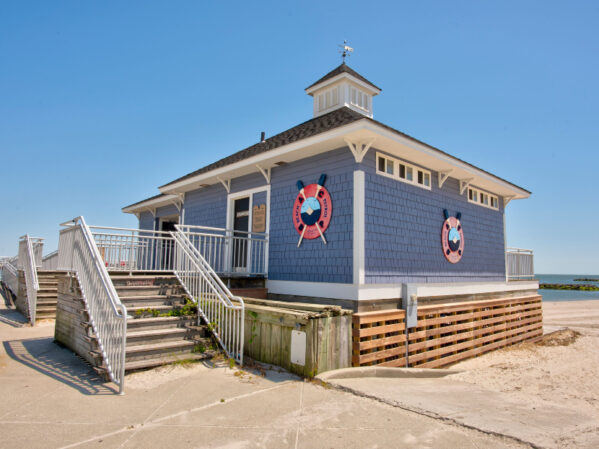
164, 211
146, 221
403, 232
313, 261
206, 206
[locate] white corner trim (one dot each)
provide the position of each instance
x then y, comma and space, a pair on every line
265, 173
443, 176
226, 183
359, 149
464, 184
359, 227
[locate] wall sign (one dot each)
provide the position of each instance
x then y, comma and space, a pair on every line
259, 218
452, 237
312, 210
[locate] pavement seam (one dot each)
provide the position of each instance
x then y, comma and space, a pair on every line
174, 415
299, 415
432, 415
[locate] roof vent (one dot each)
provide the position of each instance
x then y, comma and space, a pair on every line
262, 136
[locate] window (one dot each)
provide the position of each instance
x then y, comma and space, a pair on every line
386, 166
403, 171
482, 198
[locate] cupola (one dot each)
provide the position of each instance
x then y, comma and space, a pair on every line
341, 87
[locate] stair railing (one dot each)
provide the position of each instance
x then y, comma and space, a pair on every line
223, 312
78, 253
10, 274
29, 249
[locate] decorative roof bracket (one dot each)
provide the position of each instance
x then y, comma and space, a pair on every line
443, 175
265, 173
506, 200
226, 183
464, 184
359, 149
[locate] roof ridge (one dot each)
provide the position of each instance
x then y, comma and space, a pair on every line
343, 68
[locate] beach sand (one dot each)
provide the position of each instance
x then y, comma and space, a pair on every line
561, 369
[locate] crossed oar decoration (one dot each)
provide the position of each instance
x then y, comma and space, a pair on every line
300, 186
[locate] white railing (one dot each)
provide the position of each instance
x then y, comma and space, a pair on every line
124, 249
30, 250
519, 263
230, 252
10, 274
223, 312
50, 261
79, 254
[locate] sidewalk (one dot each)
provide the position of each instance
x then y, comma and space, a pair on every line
51, 399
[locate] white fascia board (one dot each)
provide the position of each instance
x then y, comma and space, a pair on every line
446, 159
472, 288
275, 154
156, 202
367, 87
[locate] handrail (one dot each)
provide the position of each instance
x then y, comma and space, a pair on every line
228, 251
10, 274
27, 260
79, 254
223, 312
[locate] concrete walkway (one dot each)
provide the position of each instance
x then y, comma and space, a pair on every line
51, 399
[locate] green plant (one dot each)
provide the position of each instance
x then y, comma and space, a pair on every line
199, 348
253, 333
231, 363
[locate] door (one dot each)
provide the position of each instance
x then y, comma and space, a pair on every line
167, 249
241, 226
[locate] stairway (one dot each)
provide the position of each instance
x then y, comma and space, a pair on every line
47, 294
161, 328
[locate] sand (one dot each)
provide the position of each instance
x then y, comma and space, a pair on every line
562, 368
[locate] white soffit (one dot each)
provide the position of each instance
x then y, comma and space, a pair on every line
164, 200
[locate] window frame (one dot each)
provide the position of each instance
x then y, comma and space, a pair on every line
480, 195
397, 163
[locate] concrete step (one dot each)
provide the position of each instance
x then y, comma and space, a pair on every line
171, 322
166, 360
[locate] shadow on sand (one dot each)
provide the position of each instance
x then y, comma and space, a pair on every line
46, 357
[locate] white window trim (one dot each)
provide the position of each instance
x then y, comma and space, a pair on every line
395, 175
478, 196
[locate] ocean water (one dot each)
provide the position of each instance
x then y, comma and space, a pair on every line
566, 295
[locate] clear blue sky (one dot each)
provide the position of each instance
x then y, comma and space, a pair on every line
101, 102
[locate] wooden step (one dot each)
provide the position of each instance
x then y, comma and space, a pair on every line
155, 336
150, 301
156, 350
169, 322
160, 308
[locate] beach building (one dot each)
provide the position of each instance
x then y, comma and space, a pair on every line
345, 209
339, 242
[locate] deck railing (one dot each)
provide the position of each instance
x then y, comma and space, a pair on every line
230, 252
30, 256
223, 312
50, 261
79, 254
125, 249
519, 264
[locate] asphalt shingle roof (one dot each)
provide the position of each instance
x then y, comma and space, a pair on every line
317, 125
343, 68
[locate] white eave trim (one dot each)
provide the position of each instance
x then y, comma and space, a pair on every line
165, 200
342, 132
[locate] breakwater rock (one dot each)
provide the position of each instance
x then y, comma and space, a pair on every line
583, 287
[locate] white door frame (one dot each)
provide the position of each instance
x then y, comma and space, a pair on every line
249, 193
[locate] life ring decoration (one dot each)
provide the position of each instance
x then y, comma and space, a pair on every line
312, 210
452, 237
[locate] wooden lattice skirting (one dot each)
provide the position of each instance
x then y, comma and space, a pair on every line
446, 333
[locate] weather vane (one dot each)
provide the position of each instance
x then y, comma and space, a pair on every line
345, 50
